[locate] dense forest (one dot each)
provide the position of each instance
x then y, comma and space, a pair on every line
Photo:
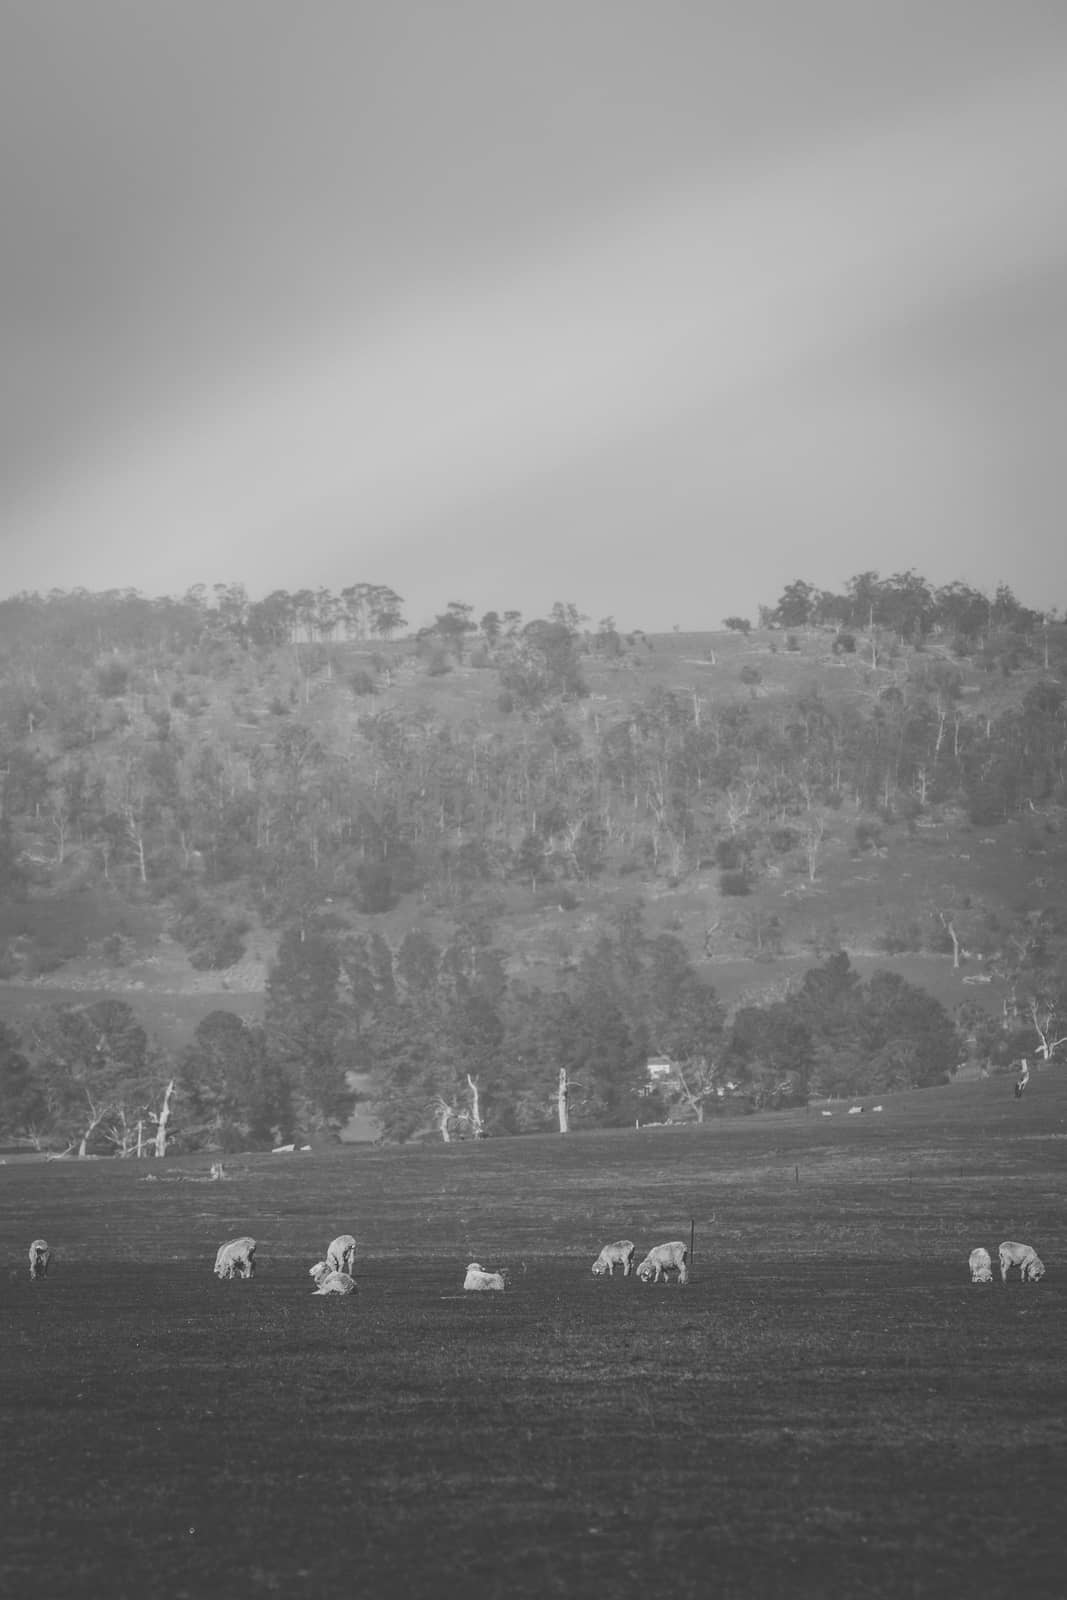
386, 807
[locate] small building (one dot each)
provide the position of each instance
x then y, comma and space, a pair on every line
659, 1073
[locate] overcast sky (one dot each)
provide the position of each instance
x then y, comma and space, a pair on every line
649, 307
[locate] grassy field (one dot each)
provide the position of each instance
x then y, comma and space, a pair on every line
829, 1408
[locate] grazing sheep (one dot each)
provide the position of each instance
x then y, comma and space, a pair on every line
855, 1111
981, 1266
619, 1254
478, 1278
1025, 1257
665, 1258
40, 1256
327, 1281
341, 1255
237, 1259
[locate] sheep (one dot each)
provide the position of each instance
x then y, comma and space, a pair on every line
665, 1258
855, 1111
479, 1278
341, 1254
327, 1281
981, 1266
1025, 1257
237, 1259
40, 1257
620, 1254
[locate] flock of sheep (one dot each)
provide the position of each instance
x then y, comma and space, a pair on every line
1024, 1256
333, 1275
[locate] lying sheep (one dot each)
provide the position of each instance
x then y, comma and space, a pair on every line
40, 1257
328, 1281
665, 1258
237, 1259
1025, 1257
619, 1254
981, 1266
478, 1278
341, 1254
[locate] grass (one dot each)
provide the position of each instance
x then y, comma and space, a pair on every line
830, 1408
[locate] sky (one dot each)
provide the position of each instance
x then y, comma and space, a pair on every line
648, 308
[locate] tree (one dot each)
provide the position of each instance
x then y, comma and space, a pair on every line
23, 1107
737, 624
306, 1028
685, 1022
237, 1098
794, 607
96, 1070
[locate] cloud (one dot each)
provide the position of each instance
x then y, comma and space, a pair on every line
714, 298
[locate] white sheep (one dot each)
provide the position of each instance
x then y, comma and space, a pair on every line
327, 1281
1025, 1257
665, 1258
341, 1253
619, 1254
236, 1259
40, 1258
480, 1278
855, 1111
981, 1266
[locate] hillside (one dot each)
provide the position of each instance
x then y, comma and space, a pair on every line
180, 790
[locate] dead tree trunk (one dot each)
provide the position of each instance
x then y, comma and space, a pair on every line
442, 1116
561, 1100
477, 1125
162, 1121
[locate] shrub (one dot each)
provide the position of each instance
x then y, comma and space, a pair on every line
792, 642
868, 835
751, 675
362, 682
730, 853
212, 940
112, 679
845, 644
900, 937
734, 883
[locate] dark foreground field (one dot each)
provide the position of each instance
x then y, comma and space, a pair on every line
830, 1408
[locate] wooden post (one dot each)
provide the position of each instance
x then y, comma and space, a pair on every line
140, 1137
561, 1100
692, 1242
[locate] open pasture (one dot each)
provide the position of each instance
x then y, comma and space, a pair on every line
829, 1408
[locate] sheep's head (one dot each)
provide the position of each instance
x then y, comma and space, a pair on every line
318, 1271
599, 1268
645, 1272
1037, 1269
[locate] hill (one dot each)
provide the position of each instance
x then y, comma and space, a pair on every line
183, 784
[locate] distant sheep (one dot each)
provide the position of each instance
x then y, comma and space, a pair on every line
478, 1278
981, 1266
327, 1281
237, 1259
1025, 1257
665, 1258
827, 1113
341, 1254
40, 1257
619, 1254
855, 1111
